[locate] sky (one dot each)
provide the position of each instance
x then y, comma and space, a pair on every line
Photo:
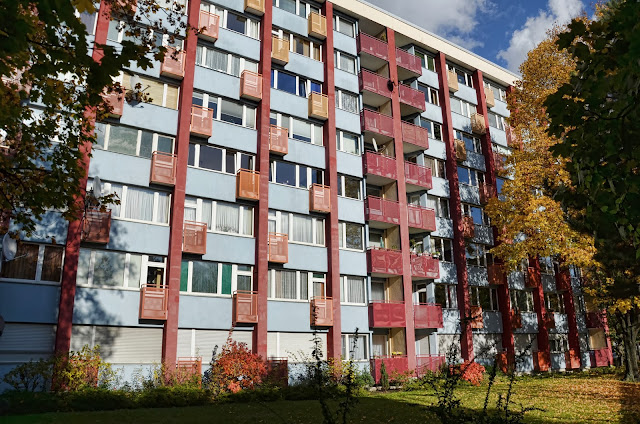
502, 31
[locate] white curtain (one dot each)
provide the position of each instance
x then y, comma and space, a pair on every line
206, 213
320, 231
139, 204
163, 208
356, 290
377, 290
350, 102
227, 218
117, 189
235, 66
302, 229
247, 220
304, 286
285, 284
217, 60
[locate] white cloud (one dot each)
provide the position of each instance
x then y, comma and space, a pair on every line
535, 30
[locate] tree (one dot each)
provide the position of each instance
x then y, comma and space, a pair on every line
53, 88
596, 115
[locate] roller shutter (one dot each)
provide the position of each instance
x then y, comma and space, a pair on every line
22, 342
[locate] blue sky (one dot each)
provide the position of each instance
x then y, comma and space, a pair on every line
502, 31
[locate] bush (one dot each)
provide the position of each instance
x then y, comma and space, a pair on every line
166, 396
97, 399
384, 377
469, 371
82, 369
32, 376
234, 369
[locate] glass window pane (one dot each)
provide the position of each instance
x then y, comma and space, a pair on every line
288, 5
25, 263
210, 158
236, 23
301, 130
108, 269
227, 218
165, 144
123, 140
83, 267
226, 279
352, 187
52, 264
463, 175
302, 230
205, 277
354, 236
135, 271
146, 144
287, 82
244, 283
304, 286
286, 173
184, 276
230, 162
139, 204
231, 112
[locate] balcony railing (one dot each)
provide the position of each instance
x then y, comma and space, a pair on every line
541, 361
254, 6
516, 319
317, 25
477, 123
393, 365
412, 97
489, 97
425, 266
452, 80
201, 121
279, 50
210, 24
384, 261
496, 274
173, 64
387, 314
571, 360
278, 371
248, 184
427, 315
505, 361
487, 191
163, 168
531, 278
377, 123
245, 307
468, 227
601, 357
374, 83
153, 302
422, 218
372, 46
320, 198
278, 248
321, 311
188, 368
418, 175
459, 150
549, 320
512, 139
409, 61
278, 140
116, 101
195, 237
380, 165
318, 106
415, 135
251, 86
595, 320
429, 363
382, 210
96, 226
476, 317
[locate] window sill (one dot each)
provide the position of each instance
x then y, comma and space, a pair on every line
349, 153
287, 185
94, 286
348, 111
363, 305
138, 221
352, 250
235, 125
217, 70
322, 246
210, 295
22, 281
348, 72
352, 198
239, 33
308, 57
230, 234
291, 94
288, 300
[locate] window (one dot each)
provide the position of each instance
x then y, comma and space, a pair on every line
160, 94
444, 247
485, 297
554, 302
354, 347
109, 268
499, 184
463, 76
89, 21
300, 45
224, 62
344, 61
446, 295
496, 121
438, 167
227, 110
344, 26
347, 101
348, 143
471, 143
461, 107
547, 265
521, 300
297, 7
477, 213
294, 84
221, 217
299, 129
351, 235
137, 203
498, 92
430, 94
233, 21
353, 289
435, 129
438, 204
475, 254
215, 277
219, 158
117, 32
427, 61
470, 176
294, 175
558, 343
131, 141
350, 187
300, 228
295, 285
35, 262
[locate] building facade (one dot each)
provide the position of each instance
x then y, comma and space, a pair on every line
301, 166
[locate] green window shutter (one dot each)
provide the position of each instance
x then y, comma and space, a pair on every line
226, 279
184, 276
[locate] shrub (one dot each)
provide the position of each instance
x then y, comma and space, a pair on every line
81, 370
235, 368
31, 376
384, 377
177, 396
469, 371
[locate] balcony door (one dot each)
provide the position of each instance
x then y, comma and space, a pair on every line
380, 345
420, 293
378, 290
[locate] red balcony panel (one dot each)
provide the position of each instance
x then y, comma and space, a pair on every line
531, 278
413, 134
387, 314
251, 86
468, 227
384, 261
173, 64
418, 175
188, 368
421, 218
429, 363
382, 210
210, 25
278, 248
163, 168
194, 237
496, 274
201, 121
487, 191
409, 61
427, 315
278, 140
541, 361
412, 97
372, 46
380, 165
424, 266
320, 198
96, 226
549, 320
571, 360
245, 307
392, 364
477, 320
247, 184
601, 357
153, 302
512, 138
116, 101
278, 371
376, 123
505, 361
516, 319
373, 82
595, 320
321, 311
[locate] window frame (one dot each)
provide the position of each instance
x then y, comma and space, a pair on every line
311, 279
431, 128
223, 13
315, 223
218, 116
225, 151
154, 143
107, 188
198, 206
342, 183
235, 272
313, 45
39, 264
144, 268
243, 60
339, 93
347, 343
438, 244
480, 255
307, 83
340, 142
337, 21
273, 173
342, 244
344, 290
337, 54
315, 128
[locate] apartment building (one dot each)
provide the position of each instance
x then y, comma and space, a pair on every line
303, 166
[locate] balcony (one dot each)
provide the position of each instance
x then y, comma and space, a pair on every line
429, 363
278, 140
251, 86
468, 227
460, 150
374, 53
194, 238
489, 97
601, 357
477, 124
278, 248
384, 261
320, 198
571, 360
387, 314
541, 361
595, 320
318, 106
254, 6
417, 177
496, 274
96, 226
201, 121
423, 219
424, 267
476, 319
188, 368
409, 65
378, 210
500, 164
411, 100
382, 168
163, 168
531, 278
505, 361
452, 80
247, 185
210, 24
512, 139
516, 319
116, 101
563, 280
173, 64
487, 191
245, 307
415, 138
427, 315
317, 26
153, 302
321, 311
549, 320
279, 50
377, 124
374, 89
393, 364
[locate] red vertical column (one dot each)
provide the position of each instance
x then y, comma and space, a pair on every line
74, 232
334, 340
541, 310
563, 279
174, 261
466, 336
407, 284
261, 267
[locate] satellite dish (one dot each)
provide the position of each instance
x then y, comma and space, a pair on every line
375, 145
97, 186
9, 247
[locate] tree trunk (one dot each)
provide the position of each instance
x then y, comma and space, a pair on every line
630, 325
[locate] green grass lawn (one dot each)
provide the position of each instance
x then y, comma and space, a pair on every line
566, 399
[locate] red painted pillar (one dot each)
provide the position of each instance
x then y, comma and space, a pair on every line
261, 267
407, 284
174, 260
74, 232
459, 252
541, 309
334, 339
564, 278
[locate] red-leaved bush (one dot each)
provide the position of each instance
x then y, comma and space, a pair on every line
237, 368
472, 372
